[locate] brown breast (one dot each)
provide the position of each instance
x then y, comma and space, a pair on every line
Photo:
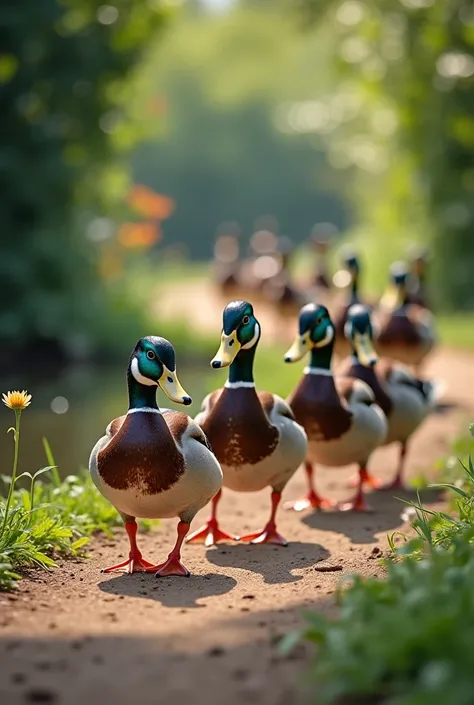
238, 428
398, 328
142, 452
318, 408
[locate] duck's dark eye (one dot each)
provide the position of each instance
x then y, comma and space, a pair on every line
170, 380
245, 320
150, 355
319, 320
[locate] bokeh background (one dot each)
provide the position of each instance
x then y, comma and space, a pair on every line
134, 133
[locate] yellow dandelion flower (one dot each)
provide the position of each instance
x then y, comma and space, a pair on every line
17, 400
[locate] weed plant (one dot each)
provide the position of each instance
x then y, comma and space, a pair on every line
405, 639
42, 516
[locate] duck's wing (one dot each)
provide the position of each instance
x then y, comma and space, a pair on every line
354, 391
207, 406
399, 375
274, 406
114, 426
183, 429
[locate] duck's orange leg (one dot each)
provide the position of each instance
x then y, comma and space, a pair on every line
368, 480
269, 533
173, 565
136, 562
312, 499
210, 533
358, 504
397, 483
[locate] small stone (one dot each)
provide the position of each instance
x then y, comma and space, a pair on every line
248, 597
40, 695
216, 651
328, 568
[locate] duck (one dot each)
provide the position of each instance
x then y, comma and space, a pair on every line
254, 433
405, 399
419, 258
406, 330
342, 420
154, 463
321, 278
351, 265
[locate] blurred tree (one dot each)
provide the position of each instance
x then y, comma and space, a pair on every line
222, 81
407, 68
64, 116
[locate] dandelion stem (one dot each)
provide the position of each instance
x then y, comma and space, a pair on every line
15, 468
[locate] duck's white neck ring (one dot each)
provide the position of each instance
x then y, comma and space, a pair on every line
144, 409
323, 371
239, 385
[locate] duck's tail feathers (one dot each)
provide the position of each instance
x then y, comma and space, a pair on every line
434, 391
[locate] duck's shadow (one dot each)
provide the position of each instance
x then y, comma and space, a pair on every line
274, 563
361, 527
170, 591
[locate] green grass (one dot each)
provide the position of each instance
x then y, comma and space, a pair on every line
405, 639
456, 330
44, 517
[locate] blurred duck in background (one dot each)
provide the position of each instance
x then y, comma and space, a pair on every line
406, 330
321, 278
419, 259
347, 278
279, 289
227, 263
405, 399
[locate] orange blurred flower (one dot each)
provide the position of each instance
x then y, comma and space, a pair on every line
149, 203
135, 235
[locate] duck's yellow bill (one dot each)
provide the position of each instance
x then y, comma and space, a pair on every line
365, 350
227, 352
298, 350
171, 386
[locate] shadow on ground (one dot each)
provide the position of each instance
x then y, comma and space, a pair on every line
156, 669
274, 563
171, 591
361, 527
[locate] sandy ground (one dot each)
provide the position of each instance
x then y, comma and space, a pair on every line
74, 636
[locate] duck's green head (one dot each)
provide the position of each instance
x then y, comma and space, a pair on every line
350, 261
153, 363
240, 331
359, 333
316, 331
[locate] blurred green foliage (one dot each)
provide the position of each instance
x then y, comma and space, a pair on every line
222, 81
65, 96
402, 125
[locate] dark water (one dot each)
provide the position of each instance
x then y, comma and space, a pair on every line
72, 409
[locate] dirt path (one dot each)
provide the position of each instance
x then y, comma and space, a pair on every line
76, 637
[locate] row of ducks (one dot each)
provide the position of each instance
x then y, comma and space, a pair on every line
403, 324
268, 273
159, 463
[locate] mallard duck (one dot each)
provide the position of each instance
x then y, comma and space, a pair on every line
154, 463
405, 330
419, 258
343, 423
254, 434
405, 400
351, 265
